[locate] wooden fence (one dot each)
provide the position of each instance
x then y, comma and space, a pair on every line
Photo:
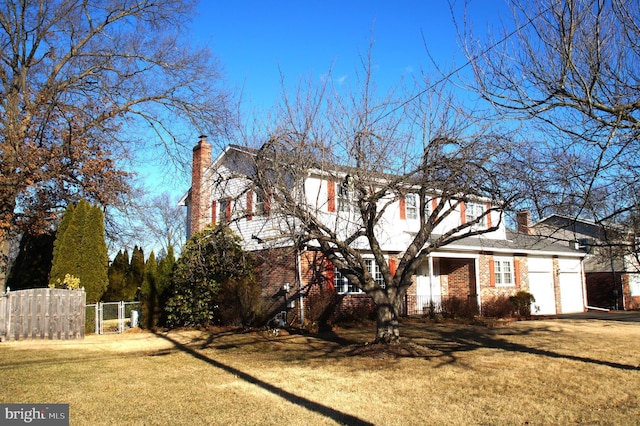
42, 313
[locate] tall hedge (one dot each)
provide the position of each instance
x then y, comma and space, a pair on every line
80, 250
149, 295
135, 275
117, 276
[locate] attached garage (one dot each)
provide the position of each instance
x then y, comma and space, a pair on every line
571, 286
541, 286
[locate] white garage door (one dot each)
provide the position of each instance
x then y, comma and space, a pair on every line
541, 286
571, 295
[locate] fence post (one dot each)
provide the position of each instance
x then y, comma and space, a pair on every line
97, 315
121, 317
3, 315
8, 315
99, 318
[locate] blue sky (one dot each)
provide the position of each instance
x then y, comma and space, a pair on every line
257, 40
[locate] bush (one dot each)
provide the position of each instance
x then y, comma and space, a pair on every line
240, 303
193, 306
456, 307
497, 307
212, 263
360, 311
522, 303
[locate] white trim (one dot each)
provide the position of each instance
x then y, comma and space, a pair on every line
511, 250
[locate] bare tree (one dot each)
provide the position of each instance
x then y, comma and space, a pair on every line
379, 150
161, 223
569, 71
83, 83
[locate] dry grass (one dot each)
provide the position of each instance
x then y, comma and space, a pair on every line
535, 372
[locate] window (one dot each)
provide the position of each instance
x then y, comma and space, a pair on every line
224, 214
634, 284
474, 211
345, 195
343, 285
411, 203
259, 207
585, 244
503, 269
411, 206
374, 270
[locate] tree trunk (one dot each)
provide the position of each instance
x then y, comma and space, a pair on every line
388, 330
7, 234
5, 248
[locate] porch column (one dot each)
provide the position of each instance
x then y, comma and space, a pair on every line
476, 266
430, 263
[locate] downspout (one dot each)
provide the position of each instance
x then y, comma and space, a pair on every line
300, 298
476, 265
585, 301
622, 277
431, 279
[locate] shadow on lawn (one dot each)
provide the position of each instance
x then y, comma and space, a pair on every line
294, 344
450, 341
421, 340
329, 412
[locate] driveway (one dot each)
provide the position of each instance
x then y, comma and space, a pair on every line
623, 316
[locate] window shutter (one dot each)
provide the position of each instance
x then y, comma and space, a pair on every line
403, 209
331, 196
214, 211
249, 205
492, 273
434, 204
330, 274
516, 271
393, 265
463, 213
267, 204
488, 216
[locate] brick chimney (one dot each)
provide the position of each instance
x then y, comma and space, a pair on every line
522, 219
199, 194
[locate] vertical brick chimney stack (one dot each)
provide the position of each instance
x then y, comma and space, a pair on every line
199, 193
522, 219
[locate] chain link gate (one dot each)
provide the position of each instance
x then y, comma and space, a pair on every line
112, 317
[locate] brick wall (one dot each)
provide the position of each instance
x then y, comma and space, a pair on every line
489, 291
461, 281
556, 284
600, 286
277, 267
317, 276
631, 302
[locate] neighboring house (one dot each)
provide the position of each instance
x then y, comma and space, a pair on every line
612, 270
475, 269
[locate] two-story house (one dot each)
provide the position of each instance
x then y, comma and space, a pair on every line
475, 268
612, 269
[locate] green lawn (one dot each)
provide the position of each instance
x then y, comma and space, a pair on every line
529, 372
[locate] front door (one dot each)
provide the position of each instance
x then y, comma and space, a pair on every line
428, 290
